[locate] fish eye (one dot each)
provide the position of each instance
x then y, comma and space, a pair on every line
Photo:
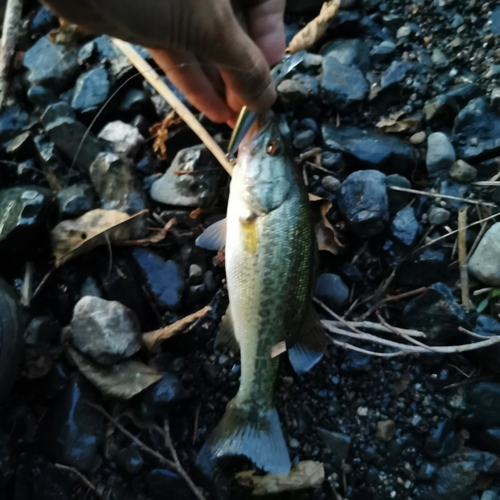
273, 148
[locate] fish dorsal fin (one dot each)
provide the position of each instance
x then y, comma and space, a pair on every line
306, 347
226, 337
214, 236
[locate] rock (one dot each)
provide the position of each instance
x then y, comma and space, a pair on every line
309, 82
427, 268
292, 92
22, 213
164, 278
338, 444
397, 199
386, 430
75, 142
440, 155
107, 331
12, 122
57, 110
312, 63
75, 200
439, 58
158, 398
495, 21
42, 330
369, 149
331, 290
483, 405
442, 440
461, 171
395, 74
199, 190
427, 471
436, 312
330, 183
476, 133
438, 216
495, 100
11, 341
450, 188
91, 91
441, 111
489, 495
43, 21
130, 459
350, 52
464, 92
384, 52
484, 264
304, 139
135, 102
41, 97
494, 71
341, 85
362, 199
72, 431
332, 161
158, 481
51, 65
86, 53
405, 226
22, 147
418, 138
403, 32
124, 138
114, 180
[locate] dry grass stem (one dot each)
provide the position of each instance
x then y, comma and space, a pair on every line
462, 258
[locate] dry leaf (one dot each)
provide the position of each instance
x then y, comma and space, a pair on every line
151, 339
325, 234
72, 238
122, 380
160, 131
314, 30
307, 474
392, 124
68, 33
157, 236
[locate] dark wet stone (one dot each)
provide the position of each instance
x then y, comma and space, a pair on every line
75, 142
440, 111
292, 92
438, 216
450, 188
75, 200
341, 85
130, 459
57, 110
488, 439
331, 290
49, 157
50, 65
43, 21
11, 340
483, 405
72, 431
22, 147
311, 83
330, 183
114, 180
427, 471
464, 92
495, 21
459, 478
397, 199
202, 189
428, 267
22, 212
91, 91
164, 278
436, 312
461, 171
476, 133
442, 440
159, 481
405, 226
384, 52
107, 331
12, 122
157, 399
6, 460
350, 52
41, 97
332, 161
135, 102
304, 139
339, 444
86, 53
42, 330
369, 149
362, 199
396, 74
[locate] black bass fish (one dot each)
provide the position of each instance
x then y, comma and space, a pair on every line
270, 256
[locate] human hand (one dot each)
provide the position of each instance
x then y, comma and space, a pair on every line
216, 52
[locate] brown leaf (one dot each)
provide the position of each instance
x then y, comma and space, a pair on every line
314, 30
325, 233
393, 124
72, 238
307, 474
160, 131
122, 380
151, 339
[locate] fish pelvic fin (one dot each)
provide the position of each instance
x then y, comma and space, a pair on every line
251, 433
226, 338
306, 348
214, 236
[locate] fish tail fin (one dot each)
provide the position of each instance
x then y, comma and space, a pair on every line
250, 433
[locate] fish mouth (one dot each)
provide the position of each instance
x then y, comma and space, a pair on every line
262, 124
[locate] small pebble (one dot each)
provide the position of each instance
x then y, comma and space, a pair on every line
386, 429
418, 138
438, 216
461, 171
330, 183
362, 411
294, 443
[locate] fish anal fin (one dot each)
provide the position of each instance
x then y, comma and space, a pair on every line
226, 337
307, 346
214, 236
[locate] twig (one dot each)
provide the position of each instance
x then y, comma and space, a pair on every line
80, 476
157, 83
479, 237
351, 347
10, 34
441, 196
377, 327
462, 258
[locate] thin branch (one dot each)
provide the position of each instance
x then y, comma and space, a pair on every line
369, 325
462, 258
80, 476
350, 347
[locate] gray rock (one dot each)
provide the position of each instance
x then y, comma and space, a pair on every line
397, 199
440, 155
339, 444
311, 83
495, 21
439, 58
41, 97
405, 226
418, 137
124, 138
342, 85
114, 180
57, 110
51, 65
75, 200
489, 495
386, 430
493, 71
12, 122
91, 91
331, 183
436, 312
158, 398
106, 331
331, 290
458, 190
22, 147
350, 52
304, 139
396, 74
441, 111
438, 216
292, 92
484, 264
495, 100
461, 171
383, 52
312, 63
362, 200
199, 190
403, 32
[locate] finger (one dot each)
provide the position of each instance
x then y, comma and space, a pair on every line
184, 71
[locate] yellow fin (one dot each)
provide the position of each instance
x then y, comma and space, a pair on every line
250, 237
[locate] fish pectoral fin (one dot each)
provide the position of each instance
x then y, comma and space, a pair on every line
214, 236
226, 337
306, 347
254, 434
